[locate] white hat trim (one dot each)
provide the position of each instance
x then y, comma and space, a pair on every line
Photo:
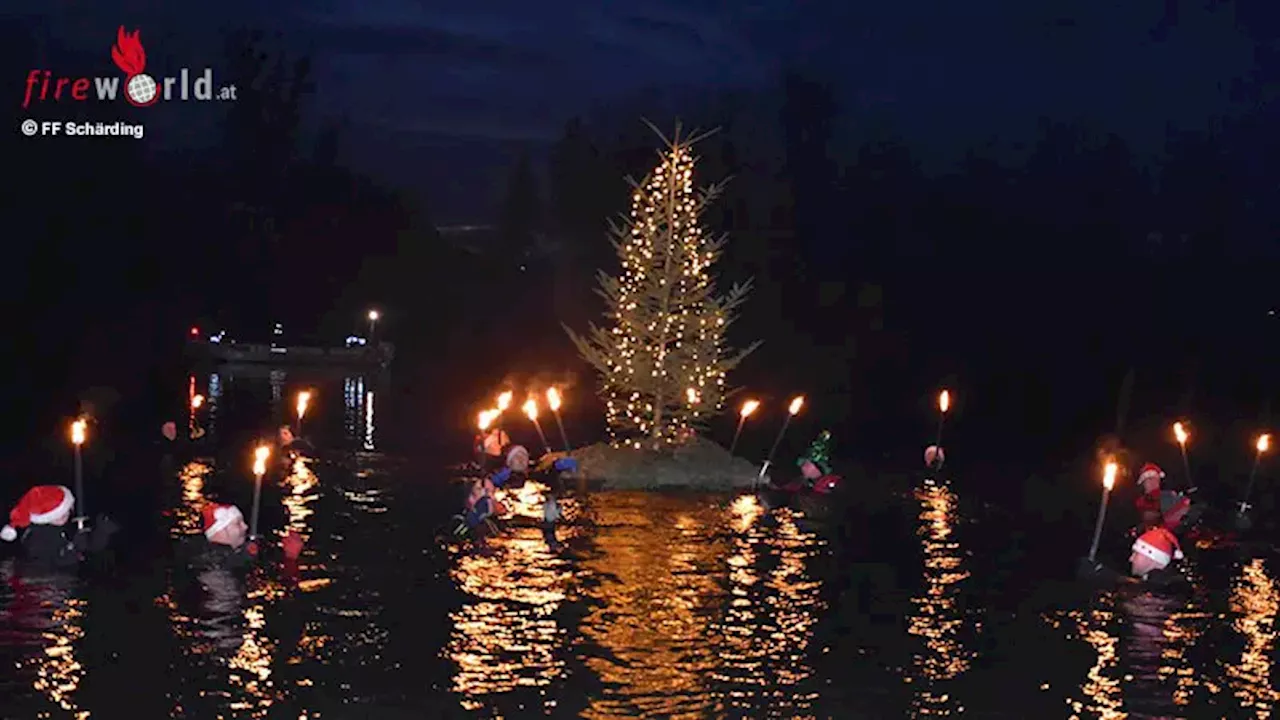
222, 518
68, 501
1142, 547
517, 449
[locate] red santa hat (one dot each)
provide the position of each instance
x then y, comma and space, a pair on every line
40, 506
1160, 545
218, 517
1150, 470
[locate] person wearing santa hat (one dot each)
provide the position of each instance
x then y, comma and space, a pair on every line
39, 521
1148, 503
1157, 505
1153, 551
226, 543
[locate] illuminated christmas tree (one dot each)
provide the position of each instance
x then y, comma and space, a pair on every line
663, 360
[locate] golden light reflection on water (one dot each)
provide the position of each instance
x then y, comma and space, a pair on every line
938, 614
506, 636
1162, 630
187, 518
1255, 601
226, 640
768, 620
1181, 632
657, 560
1155, 648
525, 504
300, 492
1103, 696
46, 611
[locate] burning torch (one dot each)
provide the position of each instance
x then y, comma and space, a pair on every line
748, 407
553, 401
793, 410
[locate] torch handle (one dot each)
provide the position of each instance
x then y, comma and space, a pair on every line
538, 426
942, 419
79, 483
736, 433
760, 477
776, 442
1097, 528
257, 502
563, 438
1253, 475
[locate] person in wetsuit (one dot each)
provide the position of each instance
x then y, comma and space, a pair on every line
492, 448
288, 444
1157, 505
225, 543
40, 523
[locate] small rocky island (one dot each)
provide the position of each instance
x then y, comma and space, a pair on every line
696, 465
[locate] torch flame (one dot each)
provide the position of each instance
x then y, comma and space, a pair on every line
553, 399
260, 460
373, 315
304, 398
531, 408
504, 401
944, 401
749, 407
196, 402
1109, 475
1264, 443
486, 419
1180, 433
77, 431
796, 404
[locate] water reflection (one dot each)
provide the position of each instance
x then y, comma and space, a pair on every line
352, 395
187, 517
215, 396
506, 636
654, 595
1101, 688
44, 614
769, 616
299, 494
938, 613
1255, 600
357, 402
222, 622
276, 378
1163, 630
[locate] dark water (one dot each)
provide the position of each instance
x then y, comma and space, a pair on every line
662, 605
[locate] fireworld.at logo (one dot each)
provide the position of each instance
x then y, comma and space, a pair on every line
140, 89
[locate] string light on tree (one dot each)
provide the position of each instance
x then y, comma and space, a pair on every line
665, 344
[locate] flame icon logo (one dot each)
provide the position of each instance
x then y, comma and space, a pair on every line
140, 89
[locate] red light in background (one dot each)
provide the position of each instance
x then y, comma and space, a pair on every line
195, 331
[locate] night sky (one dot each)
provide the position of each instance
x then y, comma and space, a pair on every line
409, 78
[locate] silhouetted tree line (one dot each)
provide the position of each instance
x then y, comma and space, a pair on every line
1038, 279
